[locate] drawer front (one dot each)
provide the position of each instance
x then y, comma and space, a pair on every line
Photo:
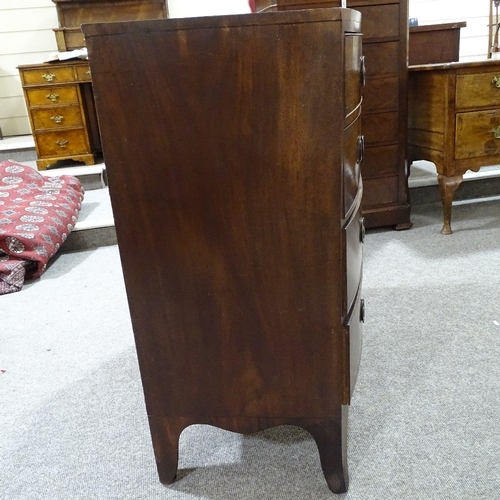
353, 73
53, 96
353, 156
381, 58
381, 128
47, 76
380, 161
83, 73
353, 340
379, 21
62, 142
475, 134
68, 116
354, 237
381, 93
381, 191
477, 90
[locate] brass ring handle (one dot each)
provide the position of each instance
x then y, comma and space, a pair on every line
57, 118
52, 97
496, 82
49, 77
496, 132
62, 143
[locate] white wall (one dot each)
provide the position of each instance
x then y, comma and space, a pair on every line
26, 37
473, 38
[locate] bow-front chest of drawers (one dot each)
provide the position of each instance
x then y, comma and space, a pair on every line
454, 121
61, 111
248, 313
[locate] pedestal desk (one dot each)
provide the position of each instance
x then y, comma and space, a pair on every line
234, 172
454, 121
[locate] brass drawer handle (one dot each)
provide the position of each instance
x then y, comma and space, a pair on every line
496, 132
49, 77
52, 97
57, 118
362, 230
496, 82
62, 143
360, 149
87, 72
362, 71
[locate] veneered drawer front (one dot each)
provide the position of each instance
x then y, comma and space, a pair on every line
381, 58
382, 160
352, 73
477, 90
63, 142
381, 94
353, 331
381, 191
475, 134
354, 236
53, 96
69, 116
379, 21
380, 128
47, 76
83, 73
353, 155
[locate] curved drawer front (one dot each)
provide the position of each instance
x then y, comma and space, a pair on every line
476, 134
68, 116
53, 96
63, 142
47, 76
353, 73
477, 90
354, 236
353, 155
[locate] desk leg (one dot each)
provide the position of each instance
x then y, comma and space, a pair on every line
447, 188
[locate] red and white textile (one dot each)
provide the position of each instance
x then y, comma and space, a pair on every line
36, 216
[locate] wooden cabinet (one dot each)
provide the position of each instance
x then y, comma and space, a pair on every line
61, 111
236, 189
454, 121
384, 119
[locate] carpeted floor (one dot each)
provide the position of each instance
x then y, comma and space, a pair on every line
424, 423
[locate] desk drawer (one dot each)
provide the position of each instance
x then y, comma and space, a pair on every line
477, 90
63, 142
53, 96
68, 116
83, 73
381, 94
475, 134
47, 76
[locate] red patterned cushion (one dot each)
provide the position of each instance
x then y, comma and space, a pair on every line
36, 216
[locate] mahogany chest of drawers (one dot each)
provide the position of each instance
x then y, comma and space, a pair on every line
236, 187
454, 121
61, 111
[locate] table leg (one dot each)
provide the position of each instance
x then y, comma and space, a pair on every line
447, 188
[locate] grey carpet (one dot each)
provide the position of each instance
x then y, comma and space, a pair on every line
424, 421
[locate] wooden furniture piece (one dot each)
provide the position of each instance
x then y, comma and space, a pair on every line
236, 189
61, 111
71, 14
454, 121
384, 24
434, 43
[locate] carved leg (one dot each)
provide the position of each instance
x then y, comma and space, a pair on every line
331, 438
447, 188
165, 433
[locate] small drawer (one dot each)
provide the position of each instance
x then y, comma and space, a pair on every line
68, 116
352, 159
51, 75
381, 128
381, 94
382, 58
477, 90
354, 73
379, 21
83, 73
53, 96
62, 142
353, 341
476, 134
354, 237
